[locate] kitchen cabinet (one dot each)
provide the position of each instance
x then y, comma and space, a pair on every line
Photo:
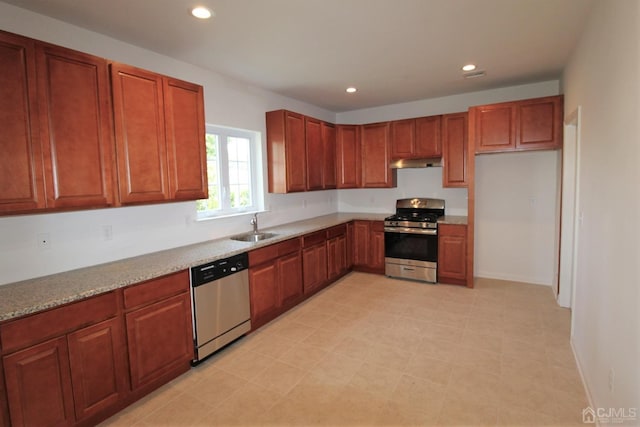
532, 124
314, 154
159, 330
337, 263
329, 152
159, 132
416, 138
348, 156
66, 365
56, 118
286, 151
452, 254
455, 150
368, 246
275, 280
376, 156
314, 261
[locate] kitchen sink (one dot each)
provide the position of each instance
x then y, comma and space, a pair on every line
253, 237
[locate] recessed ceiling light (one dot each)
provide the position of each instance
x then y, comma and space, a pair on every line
351, 89
201, 12
469, 67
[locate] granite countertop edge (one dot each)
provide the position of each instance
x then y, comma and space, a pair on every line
30, 296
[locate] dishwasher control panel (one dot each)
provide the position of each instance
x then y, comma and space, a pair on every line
218, 269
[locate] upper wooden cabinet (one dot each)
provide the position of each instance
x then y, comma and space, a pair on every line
532, 124
314, 153
348, 156
455, 150
159, 128
376, 156
329, 151
416, 138
286, 151
56, 137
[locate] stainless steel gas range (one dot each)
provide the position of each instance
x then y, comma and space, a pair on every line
411, 239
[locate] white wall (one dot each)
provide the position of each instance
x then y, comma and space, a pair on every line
603, 77
76, 239
500, 215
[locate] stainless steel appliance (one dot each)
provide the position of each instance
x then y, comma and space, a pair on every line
411, 239
221, 310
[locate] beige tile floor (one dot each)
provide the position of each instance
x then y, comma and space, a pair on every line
373, 351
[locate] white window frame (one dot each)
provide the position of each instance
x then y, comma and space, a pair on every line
223, 172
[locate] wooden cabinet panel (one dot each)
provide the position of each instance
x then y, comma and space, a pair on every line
39, 385
185, 132
452, 254
454, 150
156, 289
75, 126
314, 266
368, 246
495, 127
376, 156
314, 153
265, 297
361, 246
348, 156
290, 274
350, 246
140, 135
539, 123
286, 151
98, 367
21, 175
403, 139
428, 137
160, 339
336, 257
329, 153
376, 253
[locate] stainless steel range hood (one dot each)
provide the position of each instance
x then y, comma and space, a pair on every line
416, 163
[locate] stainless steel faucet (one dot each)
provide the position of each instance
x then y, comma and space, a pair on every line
254, 222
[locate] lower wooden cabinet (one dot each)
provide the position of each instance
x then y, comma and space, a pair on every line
452, 254
314, 263
368, 246
337, 252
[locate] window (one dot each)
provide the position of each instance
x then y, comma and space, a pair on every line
232, 168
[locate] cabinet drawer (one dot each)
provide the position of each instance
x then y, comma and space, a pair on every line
270, 252
58, 321
338, 230
459, 230
314, 238
377, 225
156, 289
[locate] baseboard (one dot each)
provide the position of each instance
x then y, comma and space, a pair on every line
511, 278
585, 384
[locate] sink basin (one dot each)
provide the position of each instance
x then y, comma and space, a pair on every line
253, 237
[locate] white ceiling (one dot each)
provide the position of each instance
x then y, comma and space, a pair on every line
392, 50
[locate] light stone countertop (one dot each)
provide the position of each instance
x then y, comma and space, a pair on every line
30, 296
453, 219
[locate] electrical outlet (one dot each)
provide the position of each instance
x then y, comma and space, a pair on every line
44, 241
107, 232
612, 379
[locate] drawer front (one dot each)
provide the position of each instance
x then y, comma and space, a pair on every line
314, 238
338, 230
58, 321
459, 230
274, 251
156, 289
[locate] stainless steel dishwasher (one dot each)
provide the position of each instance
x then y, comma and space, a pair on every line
221, 308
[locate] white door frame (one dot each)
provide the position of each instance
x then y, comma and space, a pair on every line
569, 222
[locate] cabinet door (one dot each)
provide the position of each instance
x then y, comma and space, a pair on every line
265, 298
428, 139
361, 243
495, 127
348, 156
314, 153
539, 123
75, 127
98, 370
452, 254
376, 252
290, 278
349, 246
454, 150
376, 156
39, 385
403, 139
141, 151
329, 152
21, 179
295, 152
160, 339
333, 266
314, 267
186, 153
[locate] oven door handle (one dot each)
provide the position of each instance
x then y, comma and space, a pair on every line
408, 230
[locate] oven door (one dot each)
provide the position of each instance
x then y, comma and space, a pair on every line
411, 253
